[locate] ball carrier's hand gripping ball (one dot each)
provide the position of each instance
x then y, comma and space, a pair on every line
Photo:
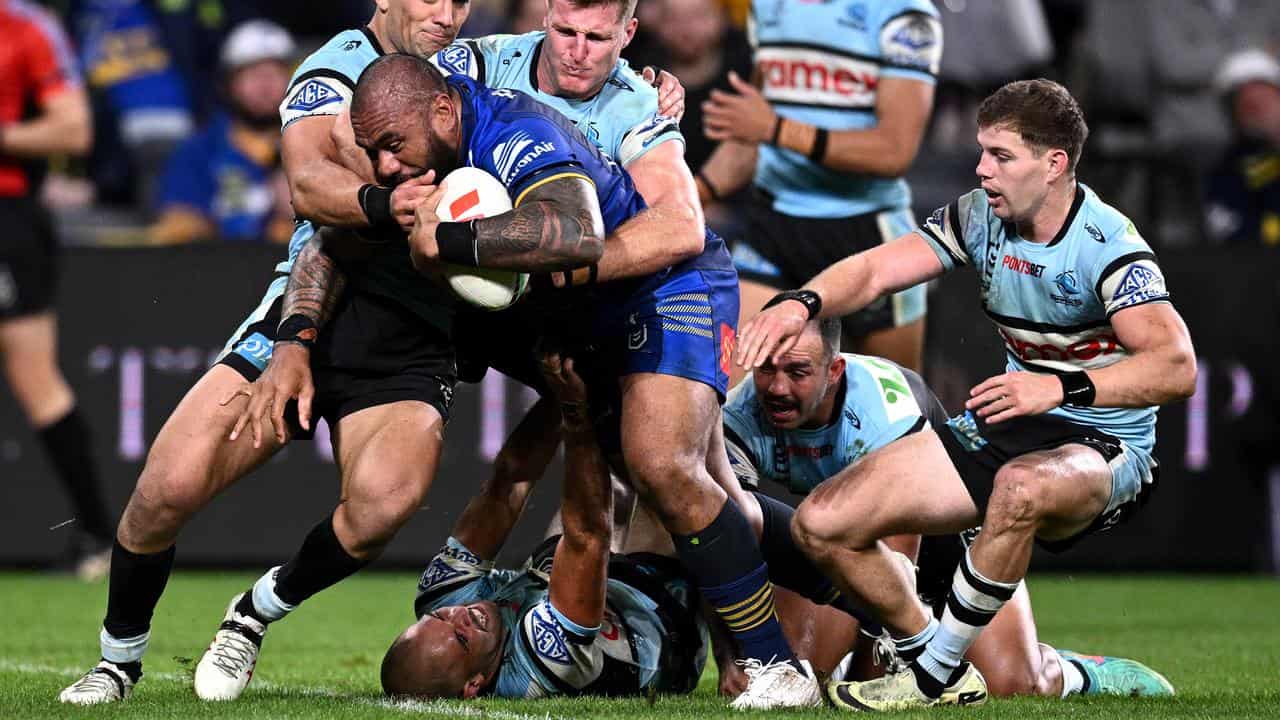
471, 194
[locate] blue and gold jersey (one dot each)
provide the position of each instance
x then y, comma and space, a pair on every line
1052, 302
821, 63
545, 653
622, 119
879, 402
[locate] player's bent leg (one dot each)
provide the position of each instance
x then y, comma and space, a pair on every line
1104, 675
387, 455
906, 487
1011, 658
189, 463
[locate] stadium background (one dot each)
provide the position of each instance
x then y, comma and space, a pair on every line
139, 323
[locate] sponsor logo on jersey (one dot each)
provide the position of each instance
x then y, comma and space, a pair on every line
913, 40
515, 154
455, 59
314, 93
1094, 232
1068, 287
853, 419
639, 335
965, 429
1136, 280
728, 340
1087, 348
437, 573
855, 16
256, 348
614, 81
807, 76
548, 636
350, 45
1024, 266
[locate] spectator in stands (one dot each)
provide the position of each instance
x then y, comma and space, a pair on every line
525, 16
221, 182
1243, 203
37, 69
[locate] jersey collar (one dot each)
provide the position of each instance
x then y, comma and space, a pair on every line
1071, 216
373, 40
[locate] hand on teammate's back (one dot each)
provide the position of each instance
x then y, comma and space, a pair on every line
670, 92
770, 334
287, 376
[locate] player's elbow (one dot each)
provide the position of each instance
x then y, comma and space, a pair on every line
1182, 373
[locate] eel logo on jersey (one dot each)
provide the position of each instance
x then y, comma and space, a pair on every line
639, 336
313, 94
455, 59
548, 638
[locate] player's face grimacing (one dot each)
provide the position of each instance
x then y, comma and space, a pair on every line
582, 46
457, 650
423, 27
1012, 173
792, 393
405, 144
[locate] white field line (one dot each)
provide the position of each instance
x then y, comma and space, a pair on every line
439, 707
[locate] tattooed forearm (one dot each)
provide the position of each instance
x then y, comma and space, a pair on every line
315, 284
556, 227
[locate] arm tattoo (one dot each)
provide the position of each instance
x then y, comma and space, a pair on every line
315, 284
557, 227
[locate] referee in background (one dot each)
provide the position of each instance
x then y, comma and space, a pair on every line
44, 111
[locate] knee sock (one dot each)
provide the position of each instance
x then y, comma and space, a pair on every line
136, 584
790, 568
725, 559
971, 604
320, 562
66, 443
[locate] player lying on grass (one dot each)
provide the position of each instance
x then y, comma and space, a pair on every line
583, 622
1057, 448
817, 411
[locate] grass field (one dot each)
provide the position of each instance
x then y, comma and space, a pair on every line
1216, 638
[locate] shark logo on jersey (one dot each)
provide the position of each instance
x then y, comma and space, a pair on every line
314, 93
1069, 286
1139, 284
456, 59
548, 636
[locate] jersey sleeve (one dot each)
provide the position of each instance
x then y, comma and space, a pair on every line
636, 114
455, 576
946, 231
885, 398
322, 85
528, 151
464, 57
562, 649
51, 64
1129, 275
911, 44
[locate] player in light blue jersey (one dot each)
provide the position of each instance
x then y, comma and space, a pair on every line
1056, 448
843, 98
807, 419
579, 622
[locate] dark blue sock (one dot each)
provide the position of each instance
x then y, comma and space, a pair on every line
725, 560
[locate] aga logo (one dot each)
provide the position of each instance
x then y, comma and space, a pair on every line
548, 637
313, 94
437, 572
455, 59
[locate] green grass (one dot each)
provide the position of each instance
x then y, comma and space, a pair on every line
1216, 638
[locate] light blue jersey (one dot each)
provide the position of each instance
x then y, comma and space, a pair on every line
821, 63
880, 402
545, 653
1052, 303
622, 119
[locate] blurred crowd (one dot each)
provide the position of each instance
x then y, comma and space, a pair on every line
1182, 96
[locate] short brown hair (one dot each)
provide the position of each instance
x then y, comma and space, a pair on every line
1042, 112
626, 8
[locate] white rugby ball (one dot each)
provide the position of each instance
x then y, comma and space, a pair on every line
470, 194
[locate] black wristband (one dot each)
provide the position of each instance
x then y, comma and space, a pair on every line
711, 189
810, 299
819, 149
777, 130
456, 242
297, 328
1077, 389
375, 201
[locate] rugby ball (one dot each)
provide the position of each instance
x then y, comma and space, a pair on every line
470, 194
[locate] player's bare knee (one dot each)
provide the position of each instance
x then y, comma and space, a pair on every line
1011, 677
811, 530
1016, 501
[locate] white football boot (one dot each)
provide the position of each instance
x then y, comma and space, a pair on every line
226, 667
104, 683
778, 685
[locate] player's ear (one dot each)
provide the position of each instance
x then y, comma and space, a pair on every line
1059, 164
473, 687
630, 31
835, 370
383, 5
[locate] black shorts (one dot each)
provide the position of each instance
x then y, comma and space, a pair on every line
504, 340
28, 258
371, 352
978, 462
785, 252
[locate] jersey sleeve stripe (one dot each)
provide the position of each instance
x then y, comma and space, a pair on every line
953, 219
1144, 302
539, 183
324, 73
479, 57
1120, 262
932, 237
